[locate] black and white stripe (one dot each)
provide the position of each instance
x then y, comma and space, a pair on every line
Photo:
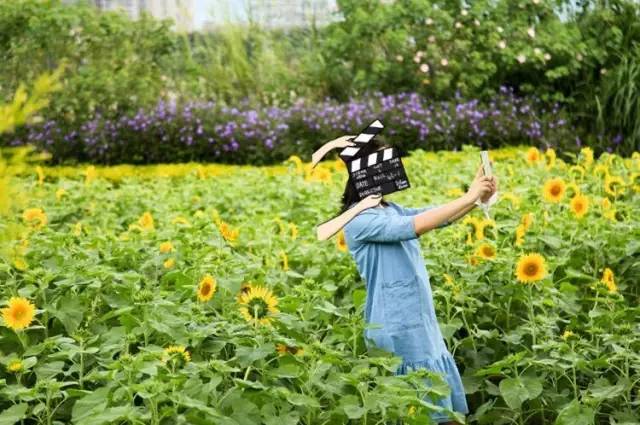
362, 139
373, 159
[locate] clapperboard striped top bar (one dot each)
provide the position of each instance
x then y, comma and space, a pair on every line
373, 159
362, 139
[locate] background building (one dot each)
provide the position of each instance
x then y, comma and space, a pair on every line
181, 11
268, 13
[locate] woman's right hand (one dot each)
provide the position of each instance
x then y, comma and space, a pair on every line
481, 187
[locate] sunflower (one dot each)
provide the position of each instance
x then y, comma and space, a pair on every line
634, 182
608, 280
169, 263
479, 225
176, 352
553, 190
550, 155
35, 217
206, 288
285, 260
146, 221
283, 349
20, 264
520, 232
258, 305
166, 247
60, 193
530, 268
40, 173
294, 230
533, 155
579, 205
244, 289
298, 162
572, 189
574, 169
587, 156
486, 251
412, 411
89, 174
613, 185
601, 169
341, 241
15, 366
180, 220
319, 174
227, 232
448, 279
527, 220
513, 199
455, 192
19, 314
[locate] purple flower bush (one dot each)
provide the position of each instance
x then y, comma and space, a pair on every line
207, 131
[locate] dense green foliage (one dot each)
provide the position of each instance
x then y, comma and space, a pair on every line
110, 297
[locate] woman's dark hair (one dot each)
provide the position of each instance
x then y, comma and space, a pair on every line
350, 194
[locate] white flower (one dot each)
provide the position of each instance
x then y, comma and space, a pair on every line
579, 57
502, 44
399, 58
535, 1
464, 12
537, 51
547, 56
424, 68
444, 62
532, 32
521, 58
458, 25
428, 21
499, 29
476, 22
432, 39
603, 71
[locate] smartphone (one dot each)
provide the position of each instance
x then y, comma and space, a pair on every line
486, 164
486, 167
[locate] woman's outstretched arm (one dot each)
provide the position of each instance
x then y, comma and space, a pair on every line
481, 187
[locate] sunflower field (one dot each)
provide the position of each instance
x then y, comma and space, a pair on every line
193, 293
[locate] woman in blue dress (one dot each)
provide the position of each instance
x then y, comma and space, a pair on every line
383, 240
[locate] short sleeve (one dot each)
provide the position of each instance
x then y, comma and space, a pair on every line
414, 211
369, 226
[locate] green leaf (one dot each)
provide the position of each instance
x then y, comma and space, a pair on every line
287, 371
90, 405
302, 400
575, 414
246, 355
359, 297
14, 414
513, 392
602, 390
69, 311
353, 411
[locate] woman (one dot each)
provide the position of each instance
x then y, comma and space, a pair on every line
383, 240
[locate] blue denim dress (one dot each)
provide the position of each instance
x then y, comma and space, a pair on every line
383, 242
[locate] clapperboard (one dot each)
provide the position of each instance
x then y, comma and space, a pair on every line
380, 172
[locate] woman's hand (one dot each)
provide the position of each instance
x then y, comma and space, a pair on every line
482, 187
342, 142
